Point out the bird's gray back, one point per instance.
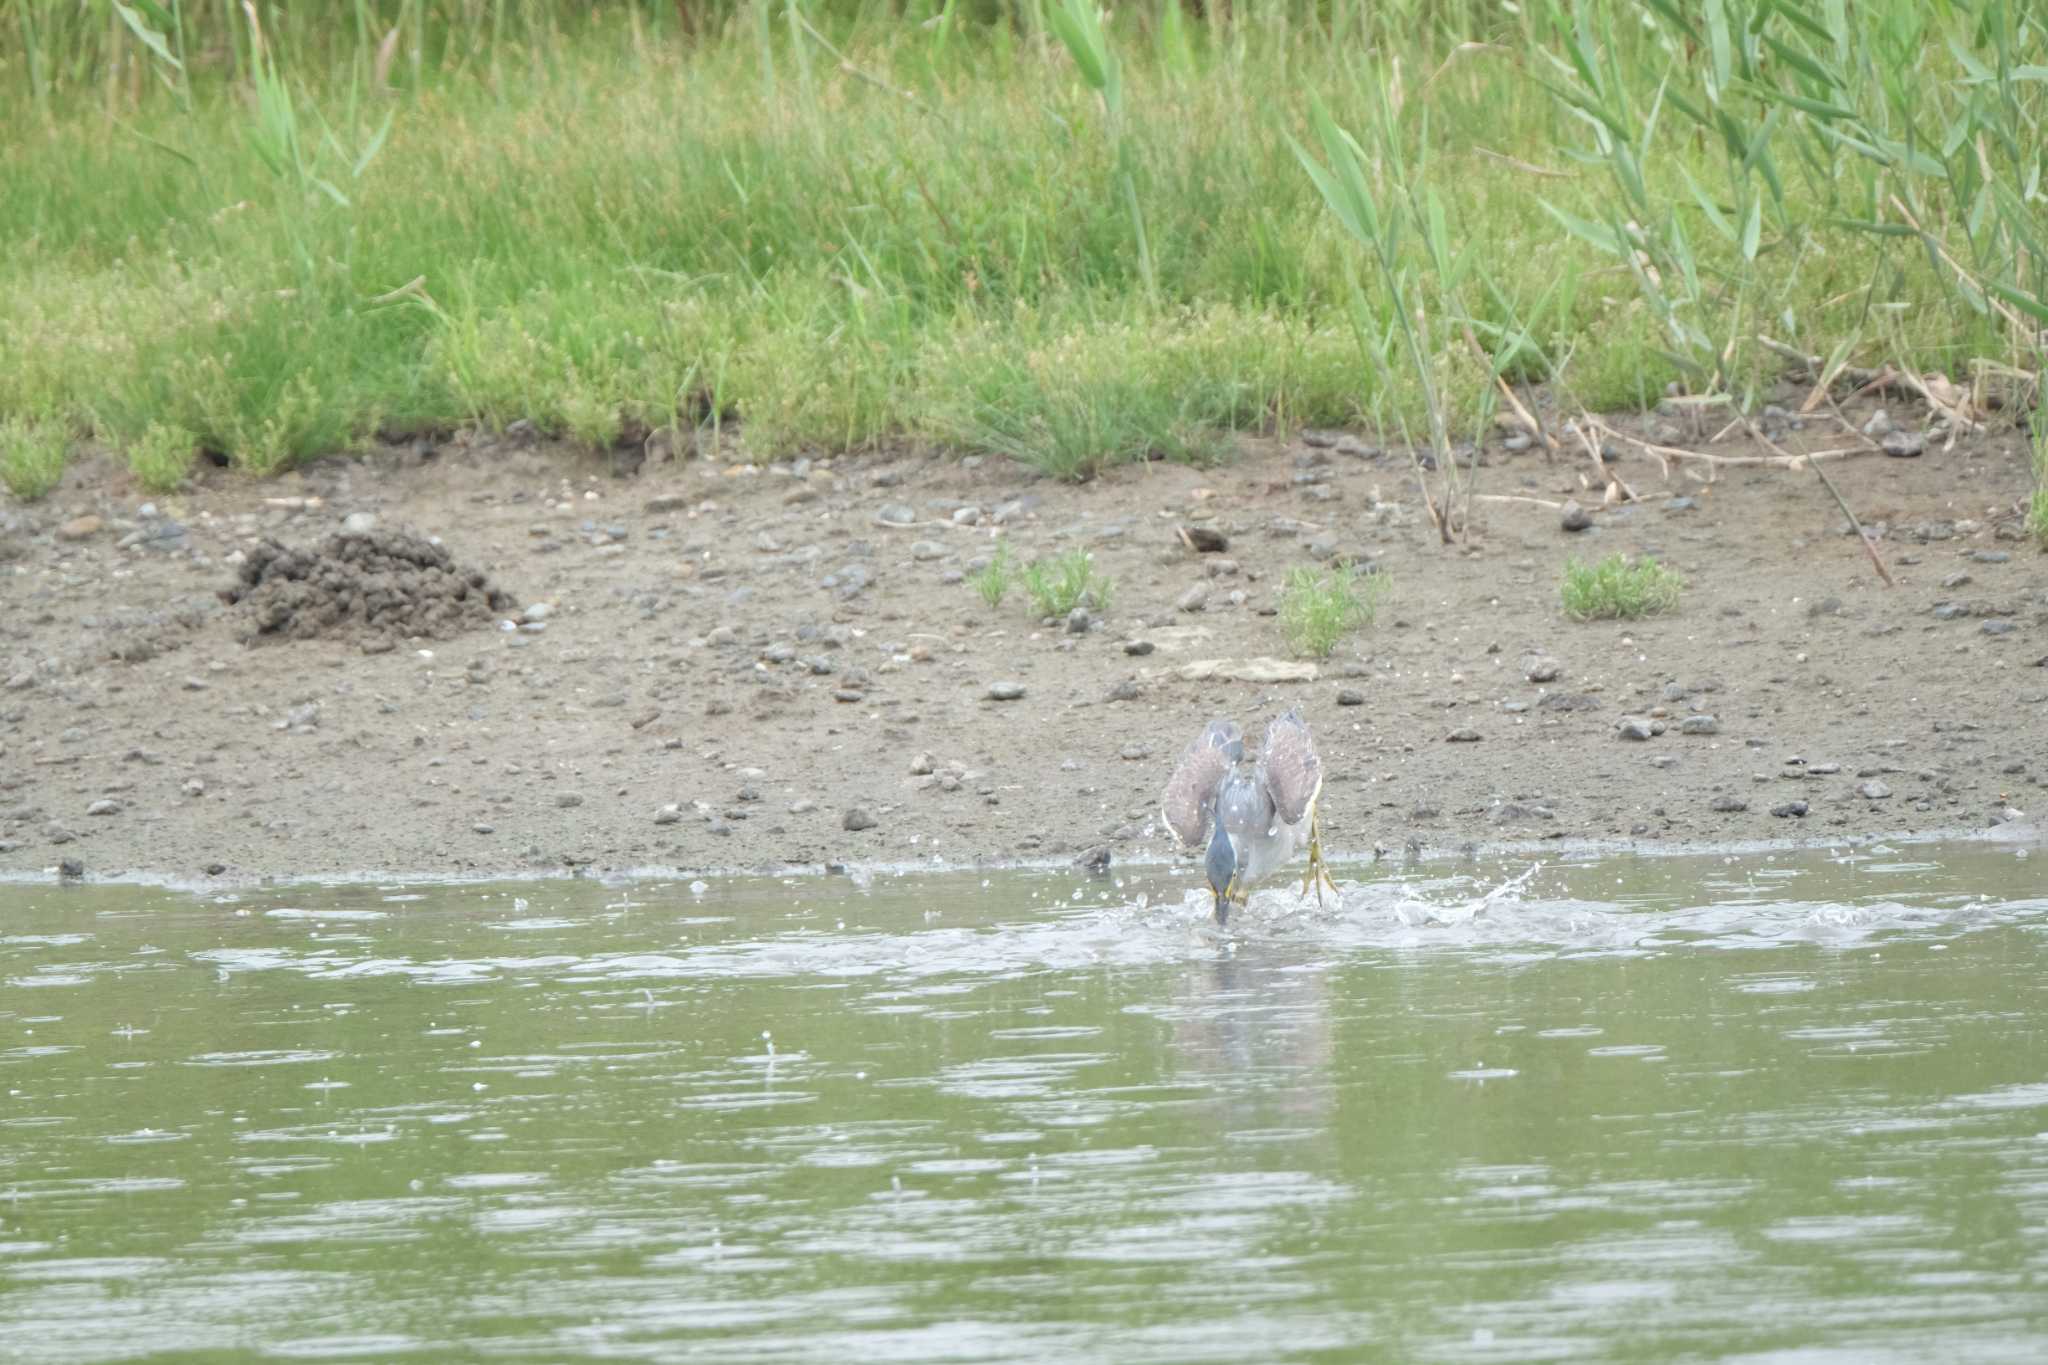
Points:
(1264, 839)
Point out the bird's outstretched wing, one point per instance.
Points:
(1294, 774)
(1190, 799)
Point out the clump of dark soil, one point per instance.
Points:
(379, 585)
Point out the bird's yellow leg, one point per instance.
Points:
(1318, 872)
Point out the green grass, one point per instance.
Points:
(161, 457)
(1077, 248)
(1056, 586)
(1319, 608)
(1617, 588)
(31, 457)
(992, 580)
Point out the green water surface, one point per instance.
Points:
(1789, 1108)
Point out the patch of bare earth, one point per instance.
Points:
(720, 667)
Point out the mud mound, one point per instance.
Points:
(374, 585)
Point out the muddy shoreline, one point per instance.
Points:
(740, 667)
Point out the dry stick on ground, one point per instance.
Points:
(1840, 502)
(1600, 465)
(1784, 459)
(1518, 497)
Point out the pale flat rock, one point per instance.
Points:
(1260, 670)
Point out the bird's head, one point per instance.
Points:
(1221, 865)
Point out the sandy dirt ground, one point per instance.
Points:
(707, 666)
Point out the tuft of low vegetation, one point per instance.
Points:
(1057, 585)
(992, 580)
(162, 456)
(1318, 608)
(32, 456)
(1618, 588)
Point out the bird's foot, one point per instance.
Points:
(1318, 871)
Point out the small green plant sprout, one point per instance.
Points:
(161, 457)
(1317, 608)
(992, 579)
(1056, 586)
(31, 457)
(1617, 588)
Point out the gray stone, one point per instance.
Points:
(104, 806)
(1728, 805)
(1637, 727)
(1005, 691)
(1997, 627)
(1903, 445)
(1788, 809)
(567, 800)
(1138, 648)
(856, 819)
(1574, 517)
(1194, 598)
(1699, 725)
(1541, 668)
(1462, 735)
(1874, 790)
(1079, 621)
(927, 550)
(897, 514)
(668, 814)
(1350, 696)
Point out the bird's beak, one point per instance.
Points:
(1223, 899)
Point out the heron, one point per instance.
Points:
(1251, 816)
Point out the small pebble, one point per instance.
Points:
(1005, 691)
(857, 819)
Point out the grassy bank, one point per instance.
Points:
(828, 230)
